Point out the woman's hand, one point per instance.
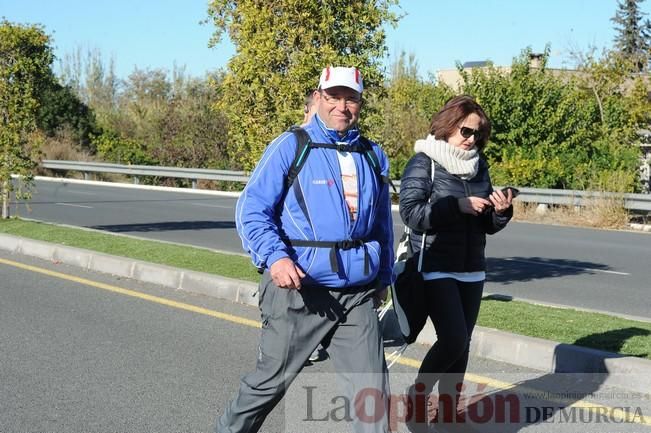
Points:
(473, 205)
(500, 201)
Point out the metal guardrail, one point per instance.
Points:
(568, 197)
(637, 202)
(137, 171)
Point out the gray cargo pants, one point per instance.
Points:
(294, 322)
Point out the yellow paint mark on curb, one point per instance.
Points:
(497, 385)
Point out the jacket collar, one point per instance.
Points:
(332, 136)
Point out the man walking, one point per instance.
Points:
(316, 219)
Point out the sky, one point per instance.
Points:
(152, 34)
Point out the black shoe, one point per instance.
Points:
(417, 421)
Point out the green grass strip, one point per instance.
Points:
(196, 259)
(598, 331)
(565, 325)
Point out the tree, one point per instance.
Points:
(193, 135)
(91, 77)
(144, 99)
(25, 59)
(282, 46)
(163, 120)
(634, 36)
(61, 109)
(404, 112)
(549, 131)
(623, 102)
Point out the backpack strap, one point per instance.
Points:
(304, 144)
(374, 162)
(424, 235)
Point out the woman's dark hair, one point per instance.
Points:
(447, 120)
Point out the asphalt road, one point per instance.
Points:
(87, 352)
(585, 268)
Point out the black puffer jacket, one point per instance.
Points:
(455, 242)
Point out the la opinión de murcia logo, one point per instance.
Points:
(371, 405)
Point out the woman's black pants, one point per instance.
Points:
(453, 307)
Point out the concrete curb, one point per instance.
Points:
(179, 279)
(642, 227)
(610, 369)
(630, 373)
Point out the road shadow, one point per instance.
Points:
(614, 340)
(165, 226)
(577, 375)
(510, 270)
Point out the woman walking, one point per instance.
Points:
(446, 195)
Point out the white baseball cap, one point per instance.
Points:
(341, 76)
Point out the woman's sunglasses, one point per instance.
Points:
(469, 132)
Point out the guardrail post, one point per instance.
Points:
(194, 183)
(136, 180)
(86, 175)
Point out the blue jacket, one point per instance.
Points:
(262, 220)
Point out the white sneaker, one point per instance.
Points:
(316, 355)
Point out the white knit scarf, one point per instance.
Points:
(463, 163)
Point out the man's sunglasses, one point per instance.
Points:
(469, 132)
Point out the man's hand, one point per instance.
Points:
(285, 274)
(379, 297)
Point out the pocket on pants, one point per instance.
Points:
(285, 300)
(266, 294)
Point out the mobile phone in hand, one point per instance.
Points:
(514, 191)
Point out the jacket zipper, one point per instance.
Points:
(335, 167)
(468, 225)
